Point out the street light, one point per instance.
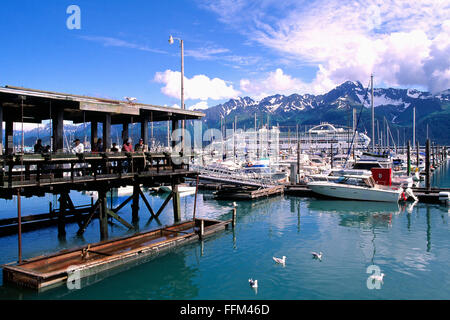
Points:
(171, 41)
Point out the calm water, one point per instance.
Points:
(409, 244)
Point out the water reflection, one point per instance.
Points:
(357, 213)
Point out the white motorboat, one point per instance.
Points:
(356, 187)
(184, 190)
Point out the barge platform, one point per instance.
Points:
(65, 266)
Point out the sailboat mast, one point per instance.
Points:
(414, 127)
(373, 113)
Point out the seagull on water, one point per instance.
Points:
(378, 277)
(253, 283)
(317, 255)
(280, 260)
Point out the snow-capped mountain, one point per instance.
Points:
(394, 105)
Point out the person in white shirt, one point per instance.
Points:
(79, 147)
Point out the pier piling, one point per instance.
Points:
(176, 204)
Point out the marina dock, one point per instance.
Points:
(247, 192)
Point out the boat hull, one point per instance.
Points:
(334, 190)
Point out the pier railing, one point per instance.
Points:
(22, 170)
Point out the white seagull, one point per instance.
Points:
(130, 100)
(280, 261)
(234, 204)
(378, 277)
(317, 255)
(253, 283)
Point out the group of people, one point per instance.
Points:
(128, 147)
(39, 148)
(98, 147)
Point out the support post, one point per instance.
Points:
(144, 130)
(234, 217)
(19, 218)
(1, 129)
(202, 228)
(94, 133)
(408, 161)
(58, 131)
(427, 165)
(125, 132)
(174, 127)
(135, 204)
(103, 215)
(107, 133)
(9, 133)
(176, 204)
(195, 199)
(61, 215)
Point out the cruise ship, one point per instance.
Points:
(323, 136)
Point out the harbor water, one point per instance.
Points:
(409, 244)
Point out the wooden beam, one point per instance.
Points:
(123, 204)
(89, 218)
(146, 203)
(164, 204)
(118, 218)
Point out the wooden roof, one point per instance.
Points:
(41, 105)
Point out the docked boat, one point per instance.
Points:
(356, 187)
(183, 189)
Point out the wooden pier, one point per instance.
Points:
(58, 172)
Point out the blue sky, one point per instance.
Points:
(232, 47)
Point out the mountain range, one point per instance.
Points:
(392, 106)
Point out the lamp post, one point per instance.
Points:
(171, 41)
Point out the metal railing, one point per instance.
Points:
(235, 176)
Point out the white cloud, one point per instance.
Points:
(275, 82)
(199, 87)
(404, 43)
(202, 105)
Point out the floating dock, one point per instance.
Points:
(247, 192)
(54, 270)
